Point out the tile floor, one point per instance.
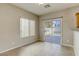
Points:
(41, 49)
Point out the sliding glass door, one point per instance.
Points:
(53, 30)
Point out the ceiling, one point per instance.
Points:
(37, 9)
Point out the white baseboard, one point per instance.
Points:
(17, 46)
(68, 45)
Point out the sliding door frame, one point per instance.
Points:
(43, 31)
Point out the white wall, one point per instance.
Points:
(73, 11)
(68, 23)
(76, 42)
(10, 27)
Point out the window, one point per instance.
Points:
(32, 28)
(27, 28)
(24, 27)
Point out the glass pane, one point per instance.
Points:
(24, 27)
(32, 27)
(48, 26)
(57, 26)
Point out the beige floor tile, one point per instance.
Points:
(41, 49)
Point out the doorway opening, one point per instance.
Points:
(53, 30)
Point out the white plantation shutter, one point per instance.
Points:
(27, 28)
(32, 28)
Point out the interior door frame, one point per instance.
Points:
(61, 28)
